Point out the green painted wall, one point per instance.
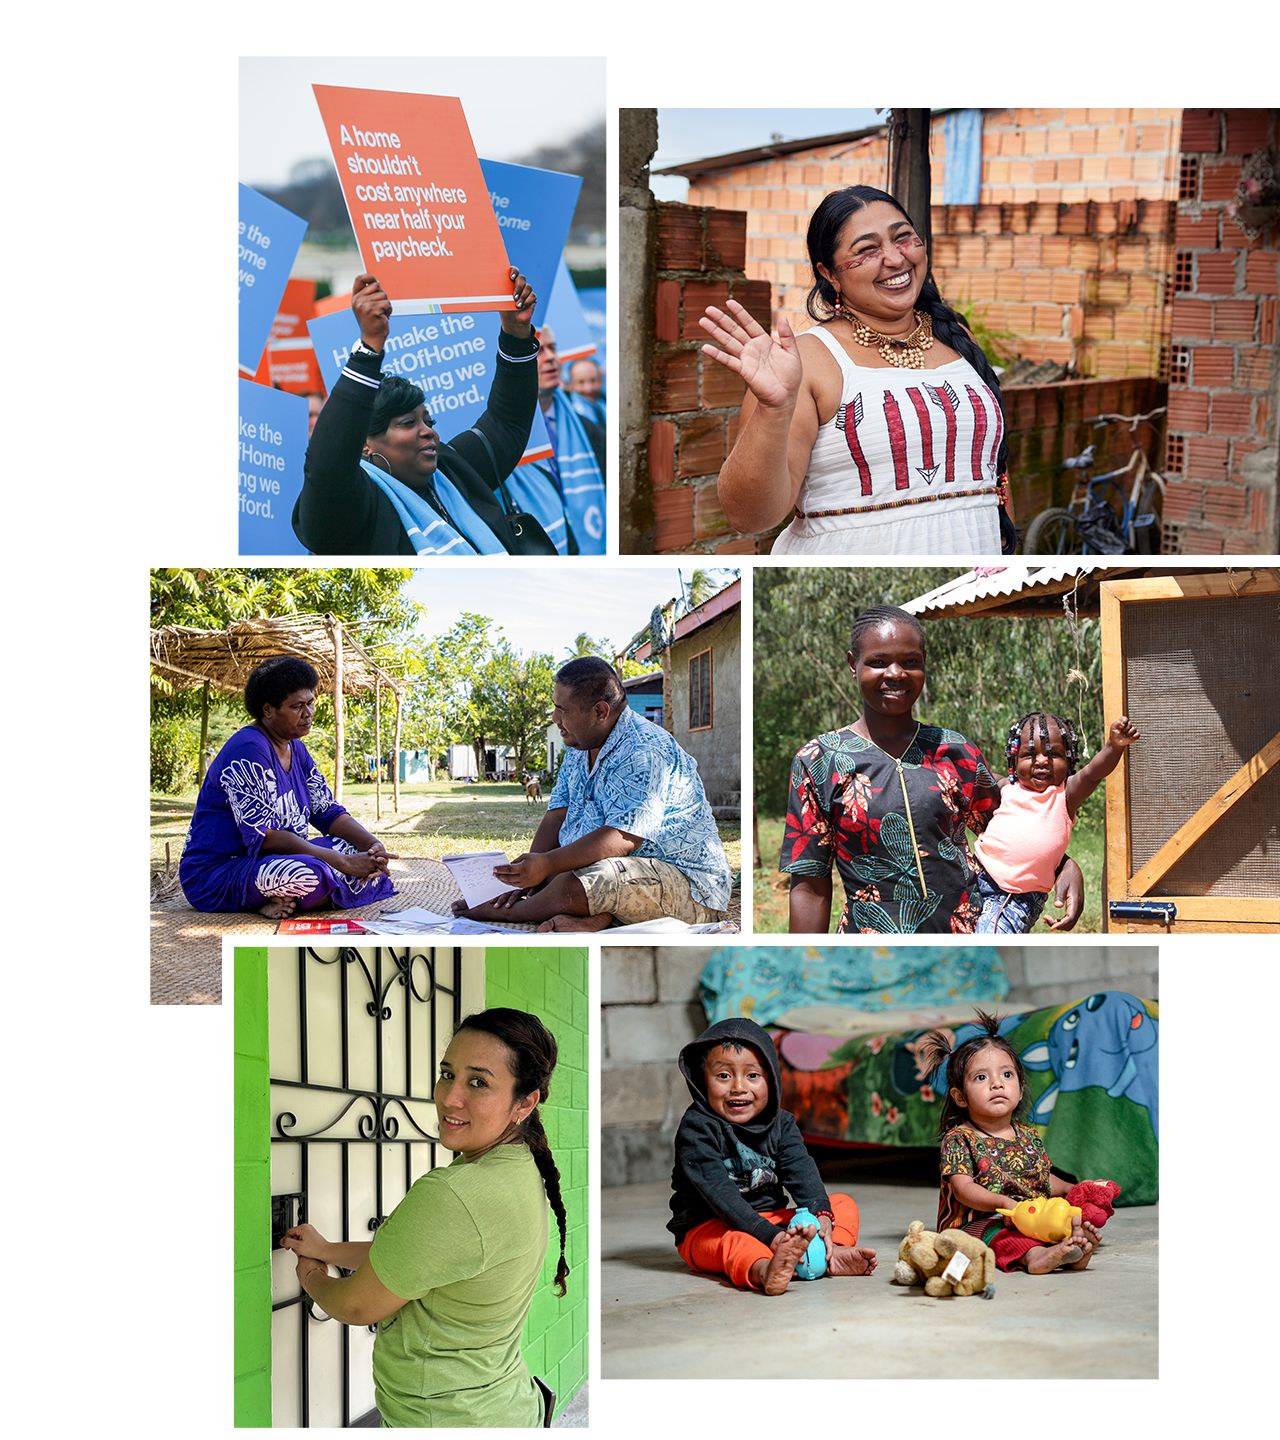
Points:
(252, 1193)
(552, 984)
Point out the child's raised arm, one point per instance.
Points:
(1084, 782)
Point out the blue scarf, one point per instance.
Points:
(581, 482)
(427, 532)
(533, 489)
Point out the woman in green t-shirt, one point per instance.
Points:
(449, 1277)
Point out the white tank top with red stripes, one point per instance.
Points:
(906, 466)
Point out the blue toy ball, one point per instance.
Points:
(814, 1264)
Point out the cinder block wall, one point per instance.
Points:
(552, 984)
(1225, 368)
(650, 1010)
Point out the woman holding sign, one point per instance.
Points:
(451, 1273)
(378, 480)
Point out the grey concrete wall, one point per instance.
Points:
(718, 750)
(649, 1011)
(637, 141)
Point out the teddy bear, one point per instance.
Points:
(925, 1254)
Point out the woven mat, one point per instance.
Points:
(186, 945)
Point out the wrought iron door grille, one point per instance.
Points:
(395, 1011)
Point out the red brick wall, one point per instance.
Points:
(1221, 449)
(695, 401)
(1108, 175)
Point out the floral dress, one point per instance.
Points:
(1005, 1167)
(896, 829)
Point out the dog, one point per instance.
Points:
(532, 789)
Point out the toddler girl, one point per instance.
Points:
(1025, 841)
(991, 1160)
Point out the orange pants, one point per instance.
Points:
(714, 1249)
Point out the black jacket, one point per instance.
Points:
(732, 1172)
(342, 512)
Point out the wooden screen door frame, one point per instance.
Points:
(1193, 912)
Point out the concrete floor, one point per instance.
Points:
(658, 1319)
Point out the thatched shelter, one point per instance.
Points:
(223, 659)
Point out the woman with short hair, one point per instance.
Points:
(248, 846)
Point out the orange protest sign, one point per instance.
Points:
(417, 199)
(291, 353)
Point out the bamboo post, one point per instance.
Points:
(204, 731)
(377, 745)
(395, 756)
(339, 718)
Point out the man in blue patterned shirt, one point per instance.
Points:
(628, 835)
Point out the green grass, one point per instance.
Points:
(441, 818)
(1087, 845)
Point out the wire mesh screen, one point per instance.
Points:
(1203, 686)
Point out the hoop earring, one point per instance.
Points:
(380, 461)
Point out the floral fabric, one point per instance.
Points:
(847, 803)
(1017, 1167)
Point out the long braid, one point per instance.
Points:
(533, 1054)
(536, 1139)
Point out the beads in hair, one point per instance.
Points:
(1038, 720)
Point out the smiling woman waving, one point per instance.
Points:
(889, 800)
(881, 427)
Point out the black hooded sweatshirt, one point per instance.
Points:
(732, 1172)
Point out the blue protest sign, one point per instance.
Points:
(534, 209)
(451, 358)
(593, 303)
(273, 442)
(269, 239)
(566, 319)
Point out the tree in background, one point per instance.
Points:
(368, 600)
(511, 701)
(983, 673)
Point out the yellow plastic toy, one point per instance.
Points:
(1046, 1220)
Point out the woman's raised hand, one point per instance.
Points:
(771, 368)
(373, 311)
(519, 321)
(305, 1240)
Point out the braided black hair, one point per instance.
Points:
(877, 615)
(532, 1051)
(935, 1047)
(825, 226)
(1039, 723)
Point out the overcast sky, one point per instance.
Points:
(540, 610)
(512, 106)
(694, 134)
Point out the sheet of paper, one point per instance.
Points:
(474, 875)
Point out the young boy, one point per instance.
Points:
(737, 1157)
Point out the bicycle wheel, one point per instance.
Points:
(1052, 532)
(1147, 539)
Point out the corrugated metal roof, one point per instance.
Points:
(986, 587)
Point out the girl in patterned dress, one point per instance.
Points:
(889, 800)
(990, 1158)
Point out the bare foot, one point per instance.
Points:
(1088, 1239)
(780, 1269)
(851, 1260)
(1045, 1258)
(576, 922)
(279, 909)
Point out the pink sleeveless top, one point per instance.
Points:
(1025, 839)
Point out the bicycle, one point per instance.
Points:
(1092, 524)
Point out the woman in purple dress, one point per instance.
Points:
(247, 848)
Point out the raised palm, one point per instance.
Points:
(771, 369)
